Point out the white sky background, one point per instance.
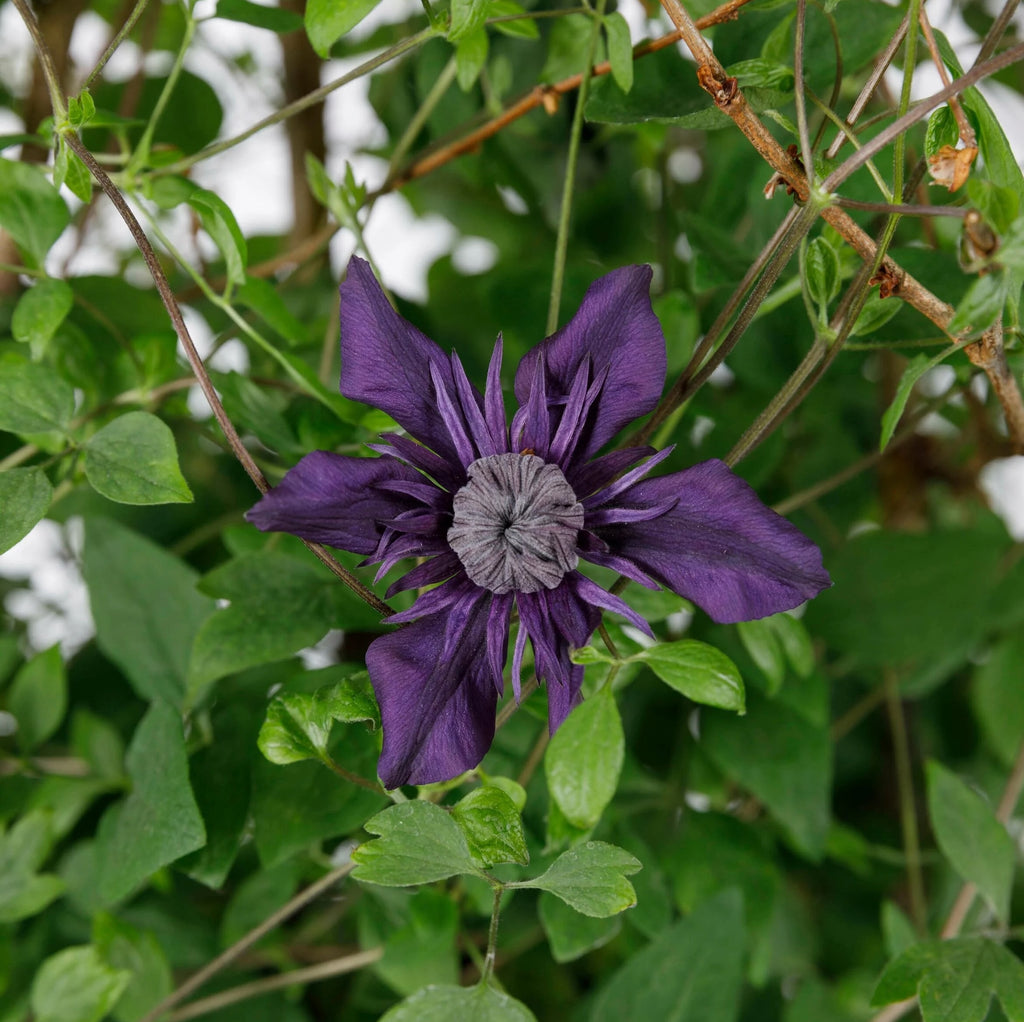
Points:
(253, 178)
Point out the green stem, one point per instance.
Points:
(311, 99)
(141, 155)
(908, 804)
(562, 240)
(492, 935)
(116, 42)
(427, 107)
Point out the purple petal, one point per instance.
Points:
(437, 569)
(588, 591)
(719, 546)
(557, 621)
(333, 499)
(592, 476)
(494, 401)
(386, 362)
(437, 698)
(615, 326)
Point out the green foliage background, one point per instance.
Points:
(800, 819)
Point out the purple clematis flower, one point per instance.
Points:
(503, 514)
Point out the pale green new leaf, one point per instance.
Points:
(76, 985)
(591, 877)
(492, 827)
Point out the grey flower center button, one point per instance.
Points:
(516, 523)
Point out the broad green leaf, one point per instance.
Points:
(25, 495)
(219, 222)
(31, 210)
(570, 934)
(470, 58)
(76, 985)
(875, 313)
(915, 621)
(568, 40)
(298, 724)
(39, 698)
(492, 826)
(423, 950)
(259, 15)
(133, 460)
(760, 72)
(955, 980)
(279, 605)
(260, 895)
(467, 1004)
(981, 306)
(41, 310)
(417, 843)
(467, 17)
(620, 50)
(522, 28)
(998, 698)
(583, 761)
(158, 822)
(146, 608)
(138, 953)
(693, 972)
(23, 849)
(99, 743)
(328, 20)
(970, 837)
(765, 649)
(295, 806)
(782, 758)
(33, 398)
(897, 929)
(698, 671)
(590, 877)
(259, 409)
(822, 268)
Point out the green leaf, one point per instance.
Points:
(620, 50)
(583, 762)
(23, 849)
(39, 698)
(31, 210)
(298, 724)
(423, 950)
(590, 877)
(822, 268)
(765, 650)
(418, 843)
(25, 495)
(916, 368)
(760, 72)
(970, 837)
(265, 300)
(76, 985)
(133, 460)
(279, 605)
(33, 398)
(328, 20)
(955, 980)
(41, 310)
(981, 306)
(467, 17)
(492, 826)
(138, 953)
(698, 671)
(570, 934)
(219, 222)
(470, 58)
(655, 984)
(158, 822)
(467, 1004)
(259, 15)
(941, 130)
(521, 28)
(146, 608)
(875, 313)
(782, 758)
(998, 698)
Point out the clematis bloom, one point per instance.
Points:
(503, 513)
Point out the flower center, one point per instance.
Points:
(516, 523)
